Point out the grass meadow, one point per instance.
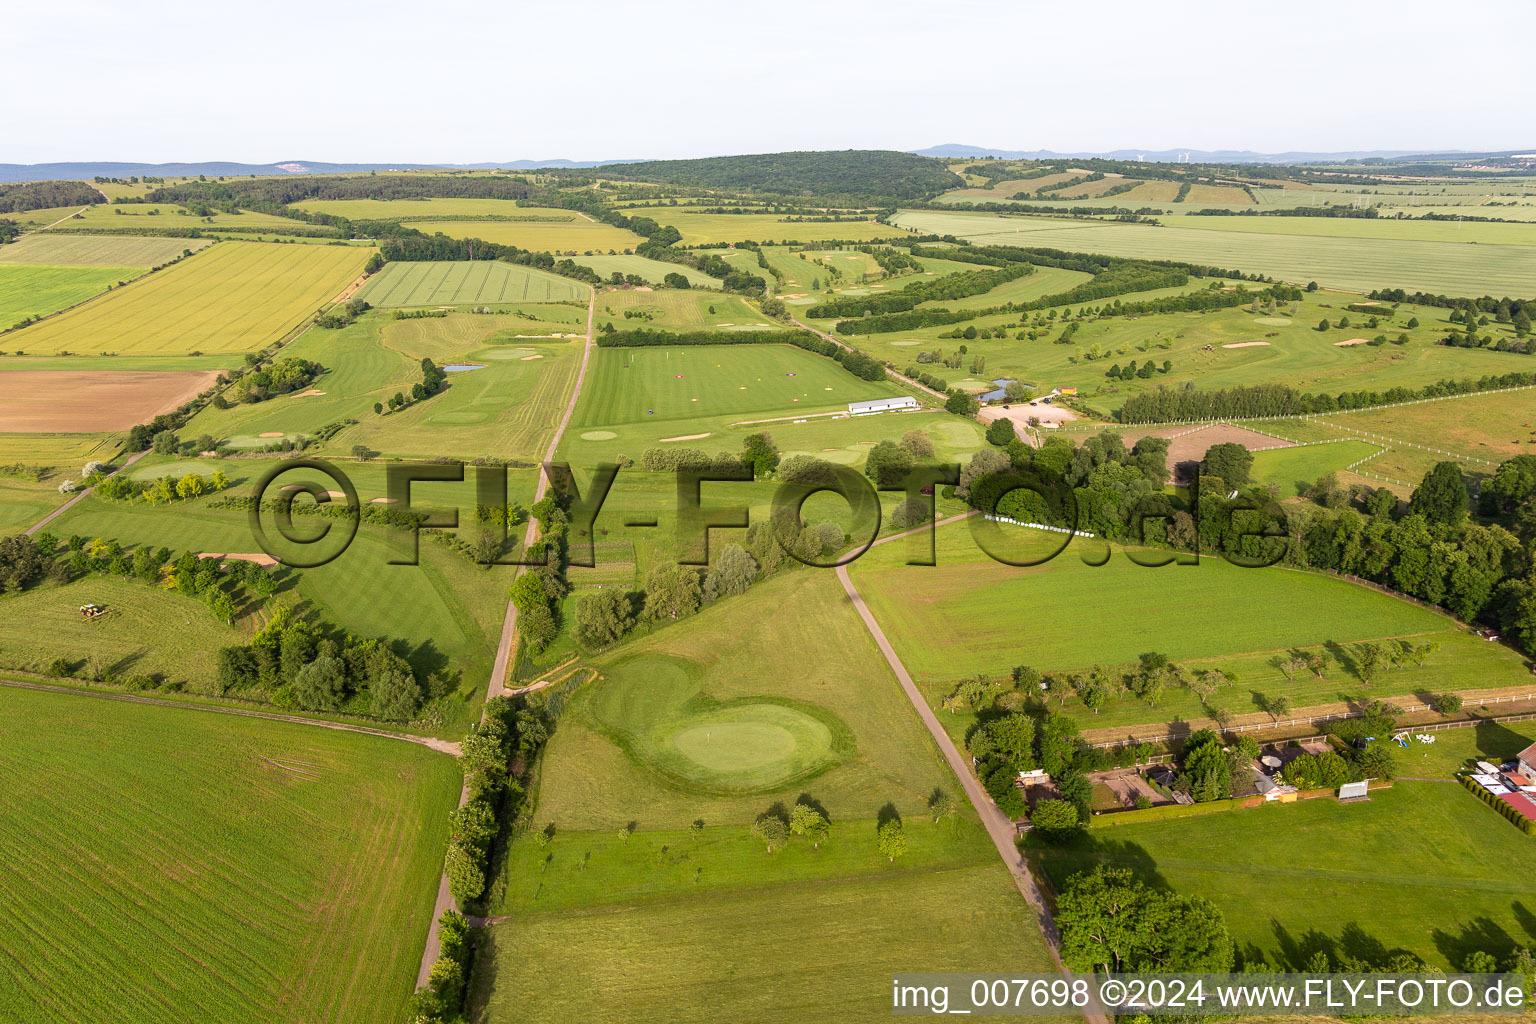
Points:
(674, 309)
(653, 393)
(1210, 615)
(27, 290)
(1215, 349)
(24, 501)
(1293, 470)
(1341, 262)
(507, 409)
(832, 945)
(478, 282)
(628, 746)
(66, 452)
(570, 234)
(653, 271)
(701, 228)
(1424, 867)
(71, 250)
(1493, 426)
(169, 865)
(235, 297)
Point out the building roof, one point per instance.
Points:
(902, 402)
(1528, 755)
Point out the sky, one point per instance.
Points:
(465, 81)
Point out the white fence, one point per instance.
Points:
(1035, 526)
(1311, 719)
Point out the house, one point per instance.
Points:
(1526, 759)
(1272, 791)
(1068, 392)
(881, 405)
(1033, 777)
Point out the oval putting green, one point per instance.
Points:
(1273, 321)
(650, 705)
(599, 435)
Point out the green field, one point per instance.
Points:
(970, 614)
(66, 451)
(443, 614)
(1214, 349)
(1494, 426)
(172, 865)
(830, 721)
(701, 228)
(1423, 867)
(681, 386)
(820, 950)
(575, 234)
(1293, 470)
(27, 290)
(70, 250)
(1342, 262)
(653, 271)
(668, 308)
(508, 408)
(24, 501)
(235, 297)
(467, 283)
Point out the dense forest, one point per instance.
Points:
(1165, 405)
(262, 193)
(44, 195)
(863, 174)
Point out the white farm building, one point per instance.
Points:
(881, 405)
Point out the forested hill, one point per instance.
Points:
(43, 195)
(869, 174)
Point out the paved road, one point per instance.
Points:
(441, 746)
(508, 644)
(998, 825)
(72, 502)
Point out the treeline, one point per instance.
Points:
(856, 363)
(282, 191)
(43, 195)
(1166, 404)
(955, 286)
(439, 248)
(862, 175)
(1504, 310)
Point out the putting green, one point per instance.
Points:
(503, 353)
(598, 435)
(651, 706)
(1273, 321)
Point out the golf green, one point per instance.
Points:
(653, 708)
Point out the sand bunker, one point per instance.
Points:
(1245, 344)
(263, 560)
(308, 394)
(271, 433)
(687, 437)
(381, 501)
(1351, 341)
(534, 356)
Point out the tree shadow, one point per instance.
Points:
(1085, 850)
(1480, 935)
(806, 800)
(888, 813)
(1343, 658)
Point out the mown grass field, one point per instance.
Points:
(235, 297)
(170, 865)
(1423, 867)
(1293, 470)
(27, 290)
(24, 501)
(68, 452)
(572, 233)
(70, 250)
(479, 282)
(507, 409)
(1494, 426)
(681, 387)
(614, 757)
(671, 309)
(970, 614)
(653, 271)
(170, 217)
(442, 615)
(1344, 262)
(1215, 349)
(1459, 232)
(833, 946)
(700, 228)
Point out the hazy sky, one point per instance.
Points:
(468, 81)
